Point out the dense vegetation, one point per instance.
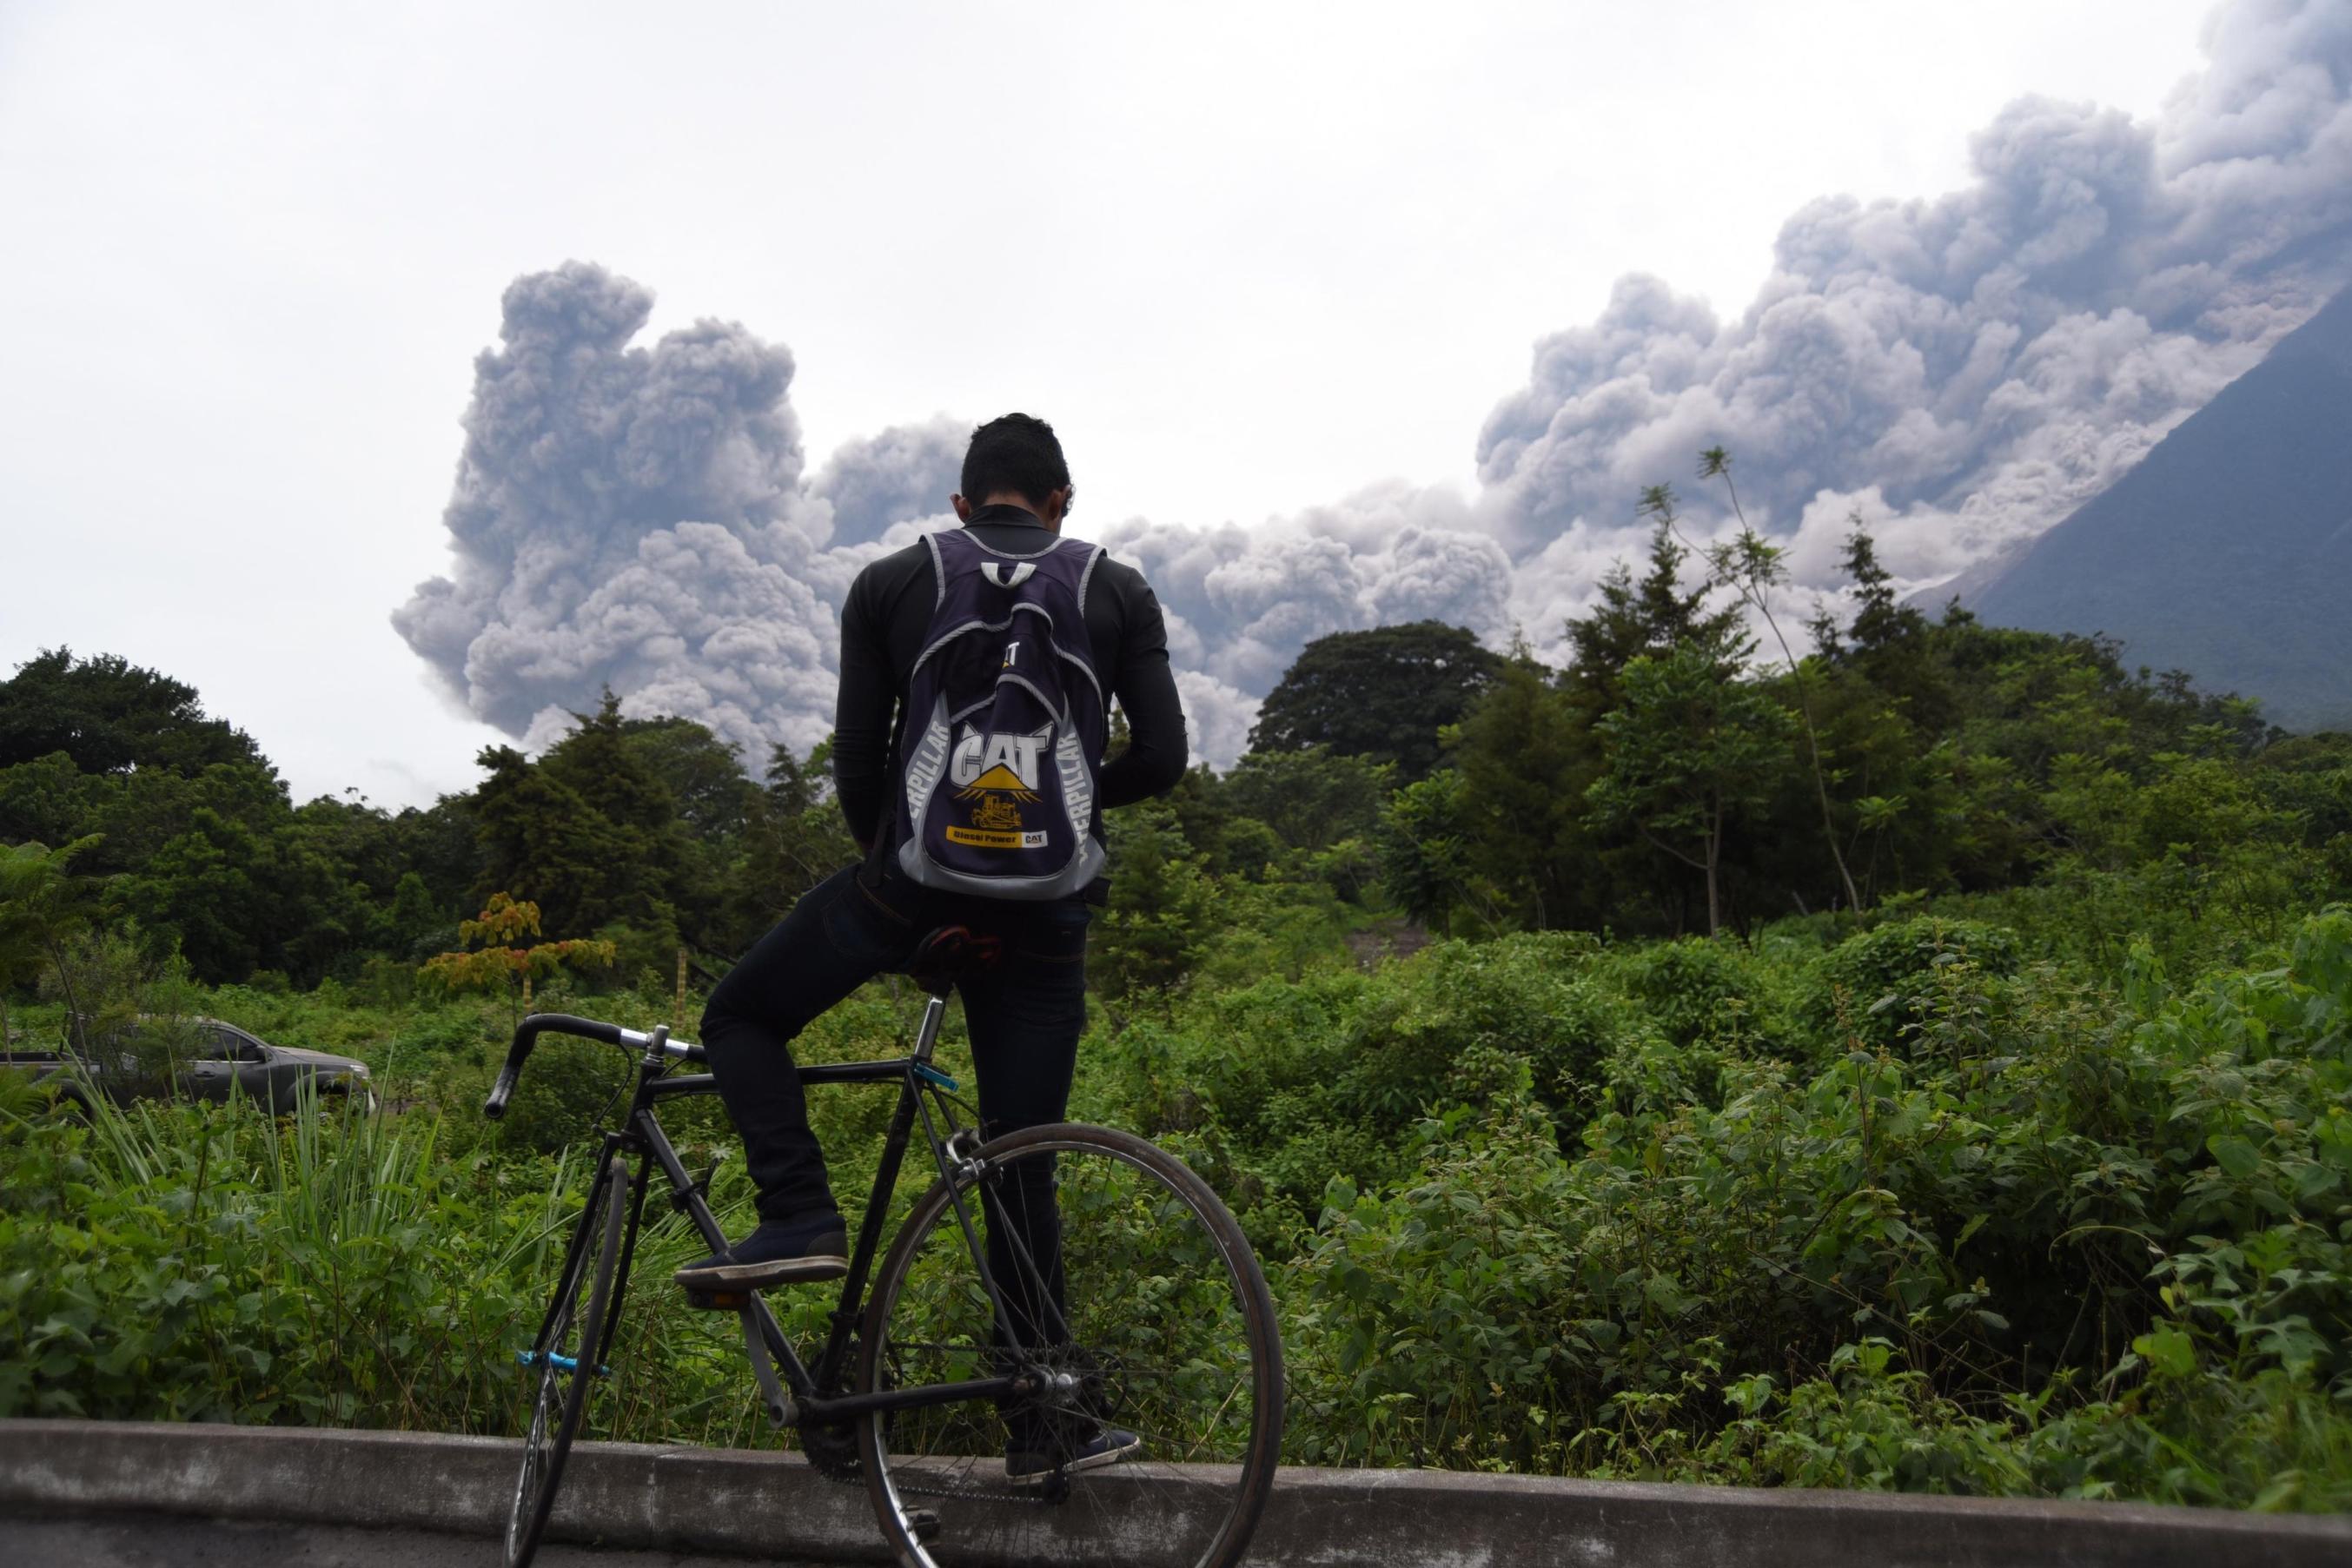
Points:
(1921, 1065)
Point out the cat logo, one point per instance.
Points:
(999, 776)
(1005, 762)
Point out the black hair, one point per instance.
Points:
(1016, 453)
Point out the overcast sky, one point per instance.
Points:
(1247, 258)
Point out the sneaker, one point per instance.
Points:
(1027, 1468)
(782, 1252)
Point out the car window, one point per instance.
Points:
(219, 1044)
(241, 1046)
(181, 1045)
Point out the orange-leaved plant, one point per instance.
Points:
(502, 960)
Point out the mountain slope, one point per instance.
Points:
(2227, 551)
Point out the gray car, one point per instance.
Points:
(270, 1074)
(215, 1062)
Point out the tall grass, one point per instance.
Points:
(214, 1262)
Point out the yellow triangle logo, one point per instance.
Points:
(998, 778)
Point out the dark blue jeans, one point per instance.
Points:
(1024, 1016)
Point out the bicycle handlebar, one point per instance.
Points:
(527, 1035)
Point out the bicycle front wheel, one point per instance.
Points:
(565, 1357)
(1136, 1310)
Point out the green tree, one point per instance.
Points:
(49, 800)
(43, 906)
(793, 838)
(1311, 799)
(796, 784)
(1755, 568)
(1150, 936)
(111, 716)
(1526, 759)
(1383, 693)
(599, 762)
(542, 842)
(1692, 755)
(1203, 815)
(440, 843)
(709, 791)
(1427, 847)
(204, 889)
(237, 893)
(414, 921)
(1891, 642)
(1632, 619)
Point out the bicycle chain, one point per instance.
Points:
(832, 1452)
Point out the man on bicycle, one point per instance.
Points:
(1025, 1014)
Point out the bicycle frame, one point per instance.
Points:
(800, 1399)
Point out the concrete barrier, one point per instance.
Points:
(762, 1503)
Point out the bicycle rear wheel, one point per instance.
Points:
(1165, 1329)
(565, 1357)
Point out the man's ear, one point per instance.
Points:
(1057, 503)
(962, 508)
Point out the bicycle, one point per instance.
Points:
(1149, 1311)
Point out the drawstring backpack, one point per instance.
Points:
(1006, 724)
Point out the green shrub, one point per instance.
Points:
(1845, 1276)
(1698, 991)
(1877, 988)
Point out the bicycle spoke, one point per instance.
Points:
(564, 1359)
(1157, 1332)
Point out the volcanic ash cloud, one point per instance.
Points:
(640, 518)
(1970, 368)
(1965, 371)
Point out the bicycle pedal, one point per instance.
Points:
(923, 1524)
(717, 1301)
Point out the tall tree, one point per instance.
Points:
(710, 791)
(544, 844)
(1160, 911)
(1755, 569)
(1383, 693)
(1632, 619)
(50, 800)
(1426, 848)
(1526, 757)
(1692, 755)
(43, 906)
(1311, 799)
(111, 716)
(598, 763)
(793, 838)
(1890, 642)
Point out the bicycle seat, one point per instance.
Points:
(950, 954)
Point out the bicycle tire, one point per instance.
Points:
(563, 1391)
(1170, 1330)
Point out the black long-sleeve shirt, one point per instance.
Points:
(883, 626)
